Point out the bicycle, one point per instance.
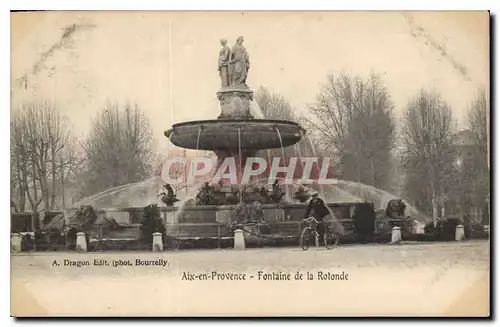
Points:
(309, 234)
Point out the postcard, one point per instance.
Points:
(250, 164)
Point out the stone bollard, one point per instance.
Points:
(459, 233)
(16, 242)
(239, 240)
(396, 235)
(81, 242)
(157, 242)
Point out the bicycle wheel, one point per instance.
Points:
(331, 239)
(305, 238)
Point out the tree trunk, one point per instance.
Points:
(44, 183)
(34, 217)
(21, 176)
(434, 202)
(63, 199)
(34, 203)
(54, 168)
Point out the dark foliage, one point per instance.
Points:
(151, 223)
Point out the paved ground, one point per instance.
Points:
(381, 279)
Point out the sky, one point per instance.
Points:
(167, 62)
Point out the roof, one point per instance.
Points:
(463, 138)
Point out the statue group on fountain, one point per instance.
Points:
(220, 195)
(302, 195)
(233, 64)
(206, 195)
(214, 194)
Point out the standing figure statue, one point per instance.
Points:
(224, 58)
(240, 63)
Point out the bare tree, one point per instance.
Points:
(334, 110)
(20, 163)
(352, 120)
(42, 152)
(476, 167)
(469, 191)
(118, 149)
(428, 153)
(477, 115)
(275, 106)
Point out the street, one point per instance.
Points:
(408, 279)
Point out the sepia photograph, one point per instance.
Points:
(250, 164)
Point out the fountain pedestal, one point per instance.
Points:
(235, 103)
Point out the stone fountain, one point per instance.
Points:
(236, 132)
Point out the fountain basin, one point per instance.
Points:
(223, 134)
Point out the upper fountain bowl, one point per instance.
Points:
(222, 134)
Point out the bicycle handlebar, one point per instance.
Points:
(311, 219)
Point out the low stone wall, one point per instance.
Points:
(293, 212)
(129, 231)
(273, 213)
(121, 216)
(197, 214)
(197, 230)
(22, 222)
(342, 211)
(288, 228)
(210, 222)
(222, 214)
(135, 215)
